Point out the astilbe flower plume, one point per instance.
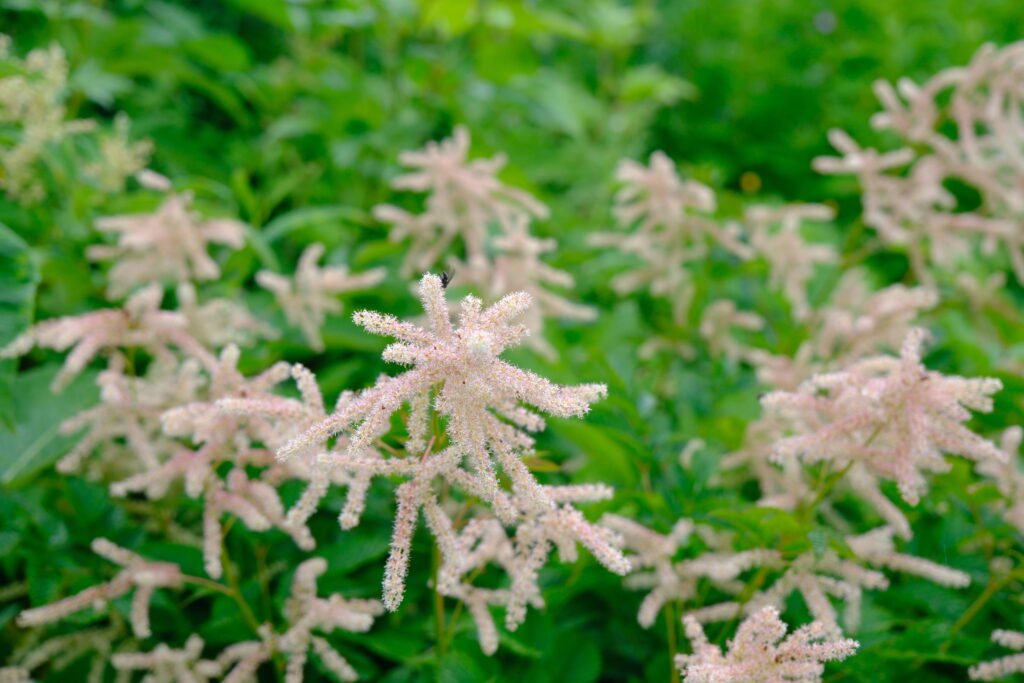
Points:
(129, 412)
(775, 235)
(219, 322)
(168, 244)
(982, 147)
(671, 225)
(457, 373)
(891, 415)
(1004, 666)
(465, 199)
(761, 652)
(310, 295)
(59, 652)
(518, 267)
(140, 323)
(655, 569)
(1008, 477)
(143, 575)
(32, 102)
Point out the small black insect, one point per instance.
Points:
(446, 279)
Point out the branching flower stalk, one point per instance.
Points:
(456, 374)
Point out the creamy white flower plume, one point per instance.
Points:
(761, 652)
(310, 295)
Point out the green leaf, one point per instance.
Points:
(18, 279)
(38, 413)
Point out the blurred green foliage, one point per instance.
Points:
(291, 115)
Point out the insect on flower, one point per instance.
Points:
(446, 279)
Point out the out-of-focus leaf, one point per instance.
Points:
(38, 413)
(18, 279)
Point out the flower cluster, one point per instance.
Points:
(761, 652)
(891, 415)
(465, 200)
(310, 294)
(32, 111)
(169, 244)
(905, 193)
(456, 373)
(671, 226)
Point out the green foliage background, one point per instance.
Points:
(291, 115)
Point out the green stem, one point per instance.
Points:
(671, 615)
(442, 644)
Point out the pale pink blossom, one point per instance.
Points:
(670, 226)
(775, 235)
(878, 549)
(465, 199)
(517, 267)
(1004, 666)
(717, 322)
(168, 244)
(129, 411)
(892, 415)
(306, 612)
(761, 652)
(140, 323)
(457, 373)
(308, 296)
(164, 664)
(963, 124)
(1007, 476)
(655, 569)
(815, 578)
(217, 323)
(142, 575)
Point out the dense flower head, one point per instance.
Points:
(775, 235)
(466, 198)
(32, 95)
(139, 323)
(168, 244)
(1007, 476)
(456, 372)
(1004, 666)
(964, 124)
(309, 296)
(138, 573)
(655, 569)
(890, 414)
(761, 652)
(670, 226)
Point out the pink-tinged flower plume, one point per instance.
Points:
(306, 612)
(670, 225)
(717, 323)
(965, 125)
(892, 415)
(466, 198)
(129, 412)
(655, 569)
(140, 324)
(1008, 477)
(815, 578)
(761, 652)
(457, 373)
(518, 268)
(138, 573)
(878, 549)
(310, 295)
(1004, 666)
(217, 323)
(165, 664)
(168, 244)
(775, 234)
